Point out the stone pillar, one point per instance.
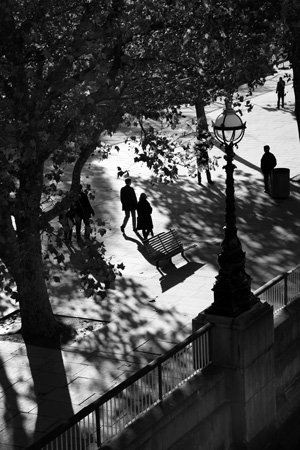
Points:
(243, 346)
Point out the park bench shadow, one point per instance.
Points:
(172, 275)
(140, 247)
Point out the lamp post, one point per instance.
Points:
(232, 289)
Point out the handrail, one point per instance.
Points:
(281, 290)
(114, 392)
(270, 284)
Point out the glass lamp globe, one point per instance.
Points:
(229, 127)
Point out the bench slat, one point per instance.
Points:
(164, 245)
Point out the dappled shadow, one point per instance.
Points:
(132, 318)
(269, 230)
(197, 212)
(136, 323)
(267, 227)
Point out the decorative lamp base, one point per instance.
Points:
(232, 289)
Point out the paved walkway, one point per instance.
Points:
(147, 312)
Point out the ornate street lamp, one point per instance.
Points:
(232, 289)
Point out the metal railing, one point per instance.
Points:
(282, 290)
(122, 405)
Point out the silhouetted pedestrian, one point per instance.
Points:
(68, 221)
(129, 203)
(144, 220)
(203, 164)
(267, 164)
(83, 212)
(280, 92)
(208, 176)
(122, 173)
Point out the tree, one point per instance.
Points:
(205, 50)
(217, 46)
(64, 78)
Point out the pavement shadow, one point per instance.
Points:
(171, 275)
(266, 226)
(131, 319)
(50, 390)
(35, 398)
(285, 110)
(15, 422)
(110, 355)
(269, 232)
(140, 247)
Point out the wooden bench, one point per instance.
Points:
(164, 246)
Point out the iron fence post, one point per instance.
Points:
(285, 289)
(98, 429)
(160, 393)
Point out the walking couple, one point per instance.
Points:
(130, 205)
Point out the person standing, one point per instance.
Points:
(208, 176)
(129, 204)
(67, 221)
(144, 220)
(83, 212)
(203, 161)
(280, 92)
(267, 164)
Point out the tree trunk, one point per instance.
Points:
(200, 113)
(202, 125)
(292, 15)
(35, 308)
(296, 79)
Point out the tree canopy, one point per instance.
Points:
(63, 80)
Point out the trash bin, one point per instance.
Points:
(281, 183)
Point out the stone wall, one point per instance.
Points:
(287, 362)
(199, 410)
